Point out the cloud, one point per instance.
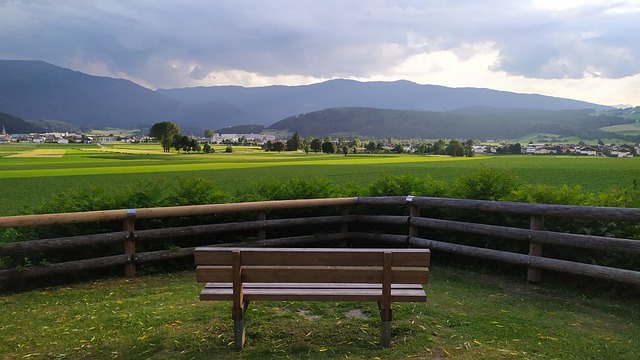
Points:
(574, 43)
(197, 42)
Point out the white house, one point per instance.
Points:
(587, 150)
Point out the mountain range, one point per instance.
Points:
(36, 90)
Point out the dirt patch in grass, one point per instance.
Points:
(356, 314)
(307, 315)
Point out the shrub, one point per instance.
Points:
(294, 188)
(549, 194)
(485, 184)
(389, 185)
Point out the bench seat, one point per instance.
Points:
(314, 292)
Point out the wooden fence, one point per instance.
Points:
(409, 230)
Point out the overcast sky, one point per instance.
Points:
(582, 49)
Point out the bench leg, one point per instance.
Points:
(238, 325)
(238, 333)
(385, 324)
(385, 333)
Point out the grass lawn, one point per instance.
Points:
(467, 316)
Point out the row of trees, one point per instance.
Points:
(310, 145)
(168, 134)
(346, 146)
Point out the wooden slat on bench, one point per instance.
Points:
(214, 285)
(306, 292)
(307, 256)
(313, 274)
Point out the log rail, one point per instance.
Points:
(412, 231)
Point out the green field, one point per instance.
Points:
(31, 173)
(627, 129)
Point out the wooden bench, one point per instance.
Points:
(242, 275)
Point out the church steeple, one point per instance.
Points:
(4, 132)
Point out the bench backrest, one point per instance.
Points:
(310, 265)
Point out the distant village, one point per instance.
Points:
(612, 150)
(77, 138)
(620, 151)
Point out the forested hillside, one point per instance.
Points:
(15, 125)
(481, 123)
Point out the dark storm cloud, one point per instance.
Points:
(170, 43)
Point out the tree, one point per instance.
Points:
(454, 148)
(208, 133)
(164, 132)
(329, 147)
(294, 143)
(371, 146)
(308, 139)
(345, 150)
(439, 147)
(468, 148)
(228, 149)
(185, 143)
(206, 148)
(277, 146)
(422, 148)
(195, 145)
(175, 143)
(316, 145)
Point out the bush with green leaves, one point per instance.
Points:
(485, 184)
(392, 185)
(296, 188)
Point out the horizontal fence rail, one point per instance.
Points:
(174, 211)
(407, 229)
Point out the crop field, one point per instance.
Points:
(31, 173)
(627, 129)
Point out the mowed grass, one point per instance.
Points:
(28, 181)
(467, 316)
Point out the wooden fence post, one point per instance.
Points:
(534, 275)
(262, 233)
(130, 243)
(344, 228)
(414, 212)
